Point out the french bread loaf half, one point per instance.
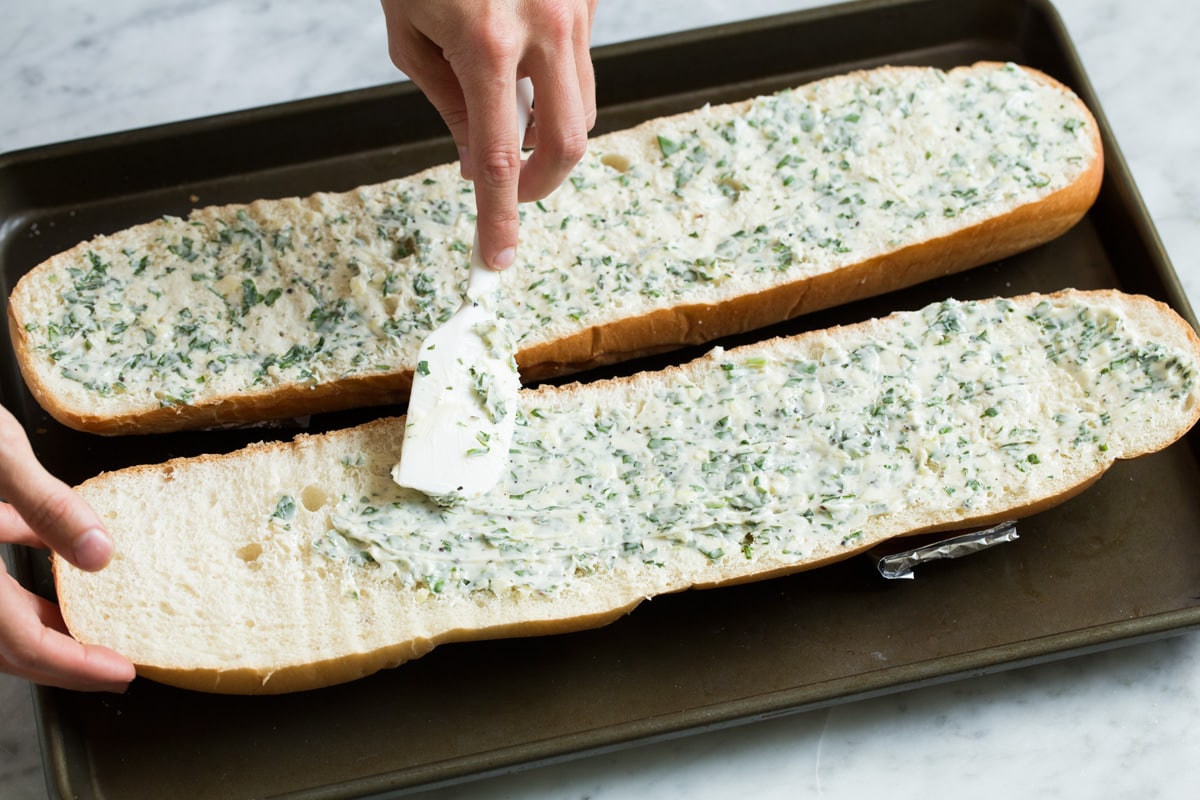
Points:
(678, 231)
(289, 566)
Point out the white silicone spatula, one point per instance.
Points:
(463, 404)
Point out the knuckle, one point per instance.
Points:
(505, 219)
(560, 150)
(490, 43)
(455, 117)
(497, 165)
(493, 47)
(399, 56)
(570, 145)
(556, 21)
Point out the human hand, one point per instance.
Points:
(43, 511)
(467, 56)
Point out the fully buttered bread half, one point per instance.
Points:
(679, 231)
(294, 565)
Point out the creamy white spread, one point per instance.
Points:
(779, 450)
(462, 409)
(725, 201)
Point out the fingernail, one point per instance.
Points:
(505, 258)
(92, 550)
(464, 163)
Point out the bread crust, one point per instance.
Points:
(667, 329)
(1157, 317)
(662, 330)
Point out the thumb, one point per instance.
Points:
(62, 520)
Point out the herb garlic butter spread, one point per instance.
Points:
(781, 450)
(287, 565)
(718, 203)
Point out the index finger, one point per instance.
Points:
(495, 148)
(48, 508)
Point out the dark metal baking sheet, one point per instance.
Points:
(1096, 572)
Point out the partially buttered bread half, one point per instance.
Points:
(293, 565)
(678, 231)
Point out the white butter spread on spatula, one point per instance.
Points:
(463, 406)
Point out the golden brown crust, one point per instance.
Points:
(360, 391)
(660, 331)
(298, 677)
(20, 344)
(670, 328)
(302, 677)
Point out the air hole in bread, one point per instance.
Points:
(313, 498)
(250, 553)
(618, 162)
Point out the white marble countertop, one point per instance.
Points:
(1114, 724)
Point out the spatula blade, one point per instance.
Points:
(463, 404)
(462, 409)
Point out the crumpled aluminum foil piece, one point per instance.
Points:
(900, 565)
